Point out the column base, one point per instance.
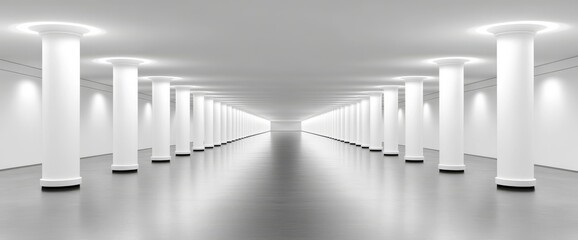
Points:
(390, 153)
(124, 171)
(183, 153)
(59, 183)
(199, 150)
(364, 146)
(161, 158)
(346, 141)
(518, 183)
(229, 141)
(375, 149)
(120, 168)
(223, 143)
(413, 158)
(211, 146)
(448, 168)
(352, 143)
(217, 145)
(359, 145)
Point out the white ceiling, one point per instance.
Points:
(287, 60)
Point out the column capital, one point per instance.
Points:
(161, 78)
(42, 28)
(182, 87)
(391, 87)
(373, 93)
(199, 93)
(531, 27)
(457, 61)
(119, 61)
(414, 78)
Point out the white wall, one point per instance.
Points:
(431, 124)
(555, 116)
(20, 117)
(285, 126)
(556, 119)
(20, 114)
(480, 122)
(95, 122)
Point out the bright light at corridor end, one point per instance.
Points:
(34, 27)
(539, 26)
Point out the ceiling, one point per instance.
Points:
(287, 60)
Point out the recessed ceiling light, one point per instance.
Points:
(543, 27)
(28, 27)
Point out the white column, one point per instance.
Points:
(224, 124)
(414, 119)
(332, 126)
(183, 120)
(217, 124)
(451, 80)
(161, 125)
(347, 122)
(365, 122)
(124, 113)
(375, 122)
(390, 125)
(209, 123)
(243, 124)
(515, 78)
(198, 121)
(358, 123)
(352, 124)
(60, 104)
(340, 123)
(229, 124)
(235, 124)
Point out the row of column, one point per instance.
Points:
(515, 85)
(214, 123)
(61, 121)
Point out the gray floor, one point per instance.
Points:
(288, 186)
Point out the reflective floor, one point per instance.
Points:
(288, 186)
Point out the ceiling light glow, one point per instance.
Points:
(404, 78)
(28, 27)
(466, 60)
(183, 86)
(171, 78)
(111, 60)
(545, 26)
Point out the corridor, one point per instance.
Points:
(288, 185)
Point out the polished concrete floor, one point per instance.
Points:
(288, 186)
